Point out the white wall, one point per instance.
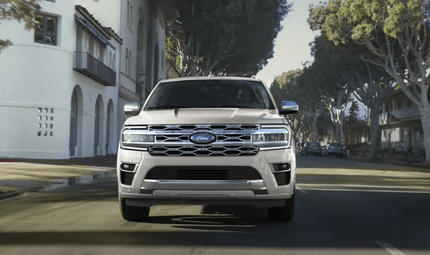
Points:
(37, 82)
(35, 76)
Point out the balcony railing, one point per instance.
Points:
(90, 66)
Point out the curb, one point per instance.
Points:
(59, 183)
(73, 181)
(4, 196)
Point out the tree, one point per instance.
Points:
(329, 68)
(284, 87)
(227, 36)
(370, 85)
(313, 98)
(384, 26)
(352, 119)
(21, 10)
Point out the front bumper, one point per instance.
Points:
(266, 186)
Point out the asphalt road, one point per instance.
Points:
(85, 219)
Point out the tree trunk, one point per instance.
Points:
(374, 119)
(339, 133)
(314, 129)
(425, 122)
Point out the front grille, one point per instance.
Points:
(208, 150)
(203, 173)
(183, 138)
(230, 140)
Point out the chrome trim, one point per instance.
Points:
(274, 148)
(207, 182)
(203, 150)
(239, 135)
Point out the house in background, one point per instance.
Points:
(399, 122)
(64, 84)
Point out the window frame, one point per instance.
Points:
(45, 26)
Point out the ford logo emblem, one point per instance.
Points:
(202, 138)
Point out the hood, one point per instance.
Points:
(207, 116)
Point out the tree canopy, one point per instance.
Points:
(285, 87)
(226, 36)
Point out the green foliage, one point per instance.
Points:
(285, 87)
(342, 20)
(175, 40)
(227, 36)
(21, 10)
(352, 121)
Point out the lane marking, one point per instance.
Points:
(362, 186)
(366, 190)
(302, 190)
(391, 249)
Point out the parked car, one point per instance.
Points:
(333, 149)
(311, 148)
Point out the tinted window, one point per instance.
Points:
(210, 94)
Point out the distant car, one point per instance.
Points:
(333, 149)
(311, 148)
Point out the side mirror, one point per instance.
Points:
(132, 108)
(288, 107)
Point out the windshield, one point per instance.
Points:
(314, 146)
(210, 94)
(335, 145)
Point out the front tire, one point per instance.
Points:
(134, 213)
(283, 213)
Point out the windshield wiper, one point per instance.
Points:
(235, 106)
(163, 107)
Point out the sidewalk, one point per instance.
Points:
(394, 161)
(18, 176)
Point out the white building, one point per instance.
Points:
(63, 85)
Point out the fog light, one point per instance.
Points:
(281, 167)
(128, 167)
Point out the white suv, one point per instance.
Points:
(209, 141)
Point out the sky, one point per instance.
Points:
(292, 44)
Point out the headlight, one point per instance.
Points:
(272, 136)
(139, 138)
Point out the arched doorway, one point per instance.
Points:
(73, 136)
(96, 127)
(109, 126)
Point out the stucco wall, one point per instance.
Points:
(37, 82)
